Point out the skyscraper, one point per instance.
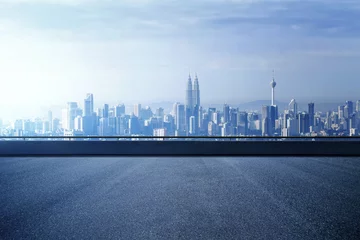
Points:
(189, 95)
(358, 106)
(293, 108)
(273, 85)
(137, 110)
(69, 114)
(350, 106)
(311, 112)
(192, 129)
(106, 111)
(341, 111)
(226, 113)
(196, 92)
(119, 110)
(180, 119)
(89, 105)
(304, 126)
(265, 115)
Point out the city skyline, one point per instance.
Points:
(123, 51)
(191, 118)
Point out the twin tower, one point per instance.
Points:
(192, 93)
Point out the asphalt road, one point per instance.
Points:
(180, 198)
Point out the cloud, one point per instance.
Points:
(143, 50)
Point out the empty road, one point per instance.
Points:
(180, 198)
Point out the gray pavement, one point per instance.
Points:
(180, 198)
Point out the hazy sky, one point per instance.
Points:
(54, 51)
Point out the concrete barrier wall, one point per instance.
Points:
(179, 148)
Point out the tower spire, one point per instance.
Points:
(273, 85)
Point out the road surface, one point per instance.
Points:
(180, 198)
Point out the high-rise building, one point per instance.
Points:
(243, 124)
(103, 127)
(265, 115)
(180, 119)
(159, 112)
(192, 129)
(174, 109)
(358, 106)
(78, 123)
(55, 125)
(69, 114)
(122, 125)
(311, 111)
(226, 113)
(273, 85)
(196, 92)
(350, 106)
(134, 125)
(293, 108)
(137, 110)
(89, 105)
(341, 111)
(304, 123)
(119, 110)
(106, 111)
(189, 95)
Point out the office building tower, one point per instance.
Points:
(328, 120)
(192, 129)
(273, 85)
(103, 129)
(226, 113)
(293, 108)
(78, 123)
(189, 94)
(243, 123)
(211, 127)
(200, 120)
(350, 106)
(341, 111)
(169, 124)
(273, 117)
(89, 120)
(304, 123)
(233, 117)
(112, 126)
(137, 110)
(56, 125)
(46, 127)
(159, 112)
(311, 111)
(174, 109)
(180, 119)
(88, 105)
(266, 123)
(122, 125)
(146, 113)
(196, 92)
(105, 111)
(215, 117)
(134, 125)
(353, 121)
(119, 110)
(18, 124)
(69, 114)
(358, 106)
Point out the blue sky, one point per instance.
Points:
(54, 51)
